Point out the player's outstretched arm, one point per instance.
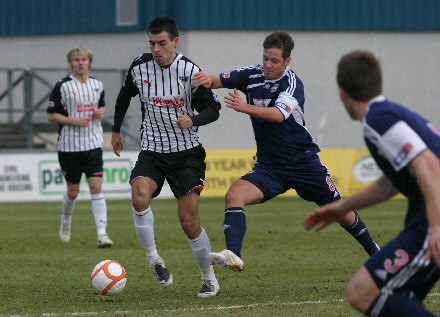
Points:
(205, 80)
(379, 191)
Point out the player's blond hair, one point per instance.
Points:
(80, 50)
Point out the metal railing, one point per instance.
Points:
(25, 92)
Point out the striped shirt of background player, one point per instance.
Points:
(165, 93)
(78, 100)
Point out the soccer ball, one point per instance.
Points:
(109, 278)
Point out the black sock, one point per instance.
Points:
(235, 229)
(360, 232)
(397, 305)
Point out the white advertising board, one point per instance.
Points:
(37, 177)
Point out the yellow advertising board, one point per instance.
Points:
(351, 169)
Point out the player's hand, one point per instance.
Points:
(82, 122)
(99, 113)
(235, 101)
(184, 122)
(117, 143)
(325, 215)
(434, 245)
(202, 79)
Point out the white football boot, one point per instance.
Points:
(65, 230)
(163, 276)
(226, 259)
(104, 241)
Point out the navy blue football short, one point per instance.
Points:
(184, 171)
(400, 266)
(73, 164)
(308, 177)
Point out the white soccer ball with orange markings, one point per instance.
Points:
(109, 278)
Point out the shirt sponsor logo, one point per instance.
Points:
(283, 106)
(86, 107)
(176, 102)
(226, 75)
(403, 154)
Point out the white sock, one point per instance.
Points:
(144, 224)
(99, 208)
(67, 207)
(201, 247)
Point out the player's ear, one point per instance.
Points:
(343, 94)
(176, 41)
(288, 60)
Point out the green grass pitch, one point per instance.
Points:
(289, 271)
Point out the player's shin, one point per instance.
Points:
(360, 232)
(235, 229)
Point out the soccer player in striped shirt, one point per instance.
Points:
(77, 105)
(287, 157)
(406, 147)
(170, 147)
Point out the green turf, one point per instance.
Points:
(289, 271)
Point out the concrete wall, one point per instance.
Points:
(409, 60)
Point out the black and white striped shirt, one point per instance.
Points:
(165, 94)
(72, 98)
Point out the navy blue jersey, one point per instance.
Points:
(278, 144)
(395, 136)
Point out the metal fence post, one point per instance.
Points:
(10, 96)
(27, 105)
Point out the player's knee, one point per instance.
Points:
(358, 294)
(232, 197)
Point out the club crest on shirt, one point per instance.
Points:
(148, 82)
(226, 75)
(274, 88)
(51, 104)
(184, 79)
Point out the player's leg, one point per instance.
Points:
(187, 181)
(241, 194)
(314, 183)
(72, 175)
(255, 187)
(395, 281)
(146, 182)
(93, 168)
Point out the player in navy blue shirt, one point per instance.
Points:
(406, 147)
(286, 154)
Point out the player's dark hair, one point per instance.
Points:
(281, 40)
(164, 24)
(360, 75)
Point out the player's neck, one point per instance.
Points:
(82, 78)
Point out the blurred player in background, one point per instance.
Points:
(170, 147)
(406, 147)
(77, 105)
(286, 154)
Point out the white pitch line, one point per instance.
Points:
(309, 302)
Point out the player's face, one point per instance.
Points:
(274, 64)
(163, 48)
(80, 64)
